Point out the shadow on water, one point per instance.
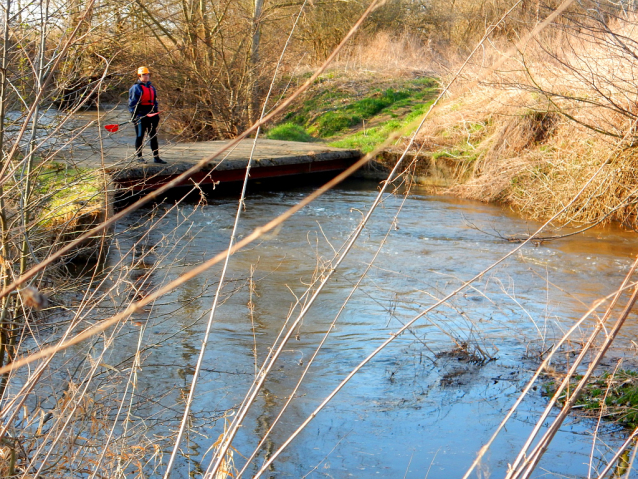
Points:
(230, 191)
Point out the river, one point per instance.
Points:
(418, 409)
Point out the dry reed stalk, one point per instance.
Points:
(619, 453)
(603, 407)
(227, 469)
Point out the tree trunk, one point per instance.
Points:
(253, 93)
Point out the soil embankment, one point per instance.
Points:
(437, 174)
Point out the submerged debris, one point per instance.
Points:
(463, 352)
(460, 364)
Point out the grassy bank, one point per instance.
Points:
(530, 137)
(71, 201)
(356, 110)
(513, 149)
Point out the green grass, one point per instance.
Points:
(66, 190)
(311, 108)
(289, 132)
(353, 114)
(368, 139)
(364, 142)
(333, 112)
(621, 401)
(333, 122)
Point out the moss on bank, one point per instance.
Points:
(68, 192)
(72, 201)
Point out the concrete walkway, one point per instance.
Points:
(271, 158)
(90, 146)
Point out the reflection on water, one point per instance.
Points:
(415, 409)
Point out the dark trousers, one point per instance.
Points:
(145, 126)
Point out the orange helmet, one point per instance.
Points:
(142, 71)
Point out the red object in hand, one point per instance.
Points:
(115, 127)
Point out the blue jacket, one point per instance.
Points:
(135, 96)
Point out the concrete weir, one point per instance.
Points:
(271, 158)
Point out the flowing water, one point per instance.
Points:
(419, 408)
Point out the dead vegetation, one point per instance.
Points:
(459, 365)
(534, 133)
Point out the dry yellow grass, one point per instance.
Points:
(390, 53)
(535, 132)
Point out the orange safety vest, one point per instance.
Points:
(148, 96)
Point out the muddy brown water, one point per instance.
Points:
(416, 410)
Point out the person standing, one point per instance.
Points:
(142, 101)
